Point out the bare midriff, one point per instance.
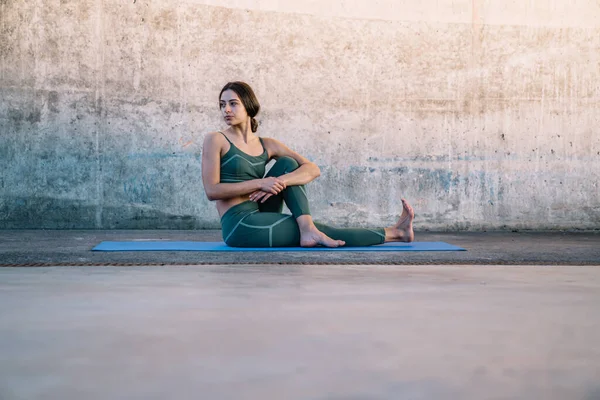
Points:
(224, 205)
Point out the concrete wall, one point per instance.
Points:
(484, 114)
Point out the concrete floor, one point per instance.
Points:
(300, 332)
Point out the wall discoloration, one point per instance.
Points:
(484, 117)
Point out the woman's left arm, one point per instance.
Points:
(306, 172)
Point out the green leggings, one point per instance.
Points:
(252, 224)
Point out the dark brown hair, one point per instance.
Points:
(248, 98)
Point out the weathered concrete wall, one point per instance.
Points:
(484, 114)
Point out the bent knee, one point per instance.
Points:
(287, 163)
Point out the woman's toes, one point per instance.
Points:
(329, 242)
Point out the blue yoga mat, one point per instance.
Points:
(220, 246)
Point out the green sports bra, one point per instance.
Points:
(237, 166)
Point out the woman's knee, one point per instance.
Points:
(287, 162)
(283, 165)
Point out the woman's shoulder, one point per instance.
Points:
(214, 137)
(215, 133)
(215, 141)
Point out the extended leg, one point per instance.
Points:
(402, 231)
(244, 226)
(354, 236)
(267, 229)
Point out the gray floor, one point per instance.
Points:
(300, 332)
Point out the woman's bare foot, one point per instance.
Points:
(310, 236)
(316, 237)
(403, 230)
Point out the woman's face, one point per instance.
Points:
(232, 108)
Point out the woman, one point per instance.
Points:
(250, 202)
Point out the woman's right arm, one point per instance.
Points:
(211, 175)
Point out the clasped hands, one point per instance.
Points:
(268, 187)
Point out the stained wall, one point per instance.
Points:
(484, 114)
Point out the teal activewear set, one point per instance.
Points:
(255, 224)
